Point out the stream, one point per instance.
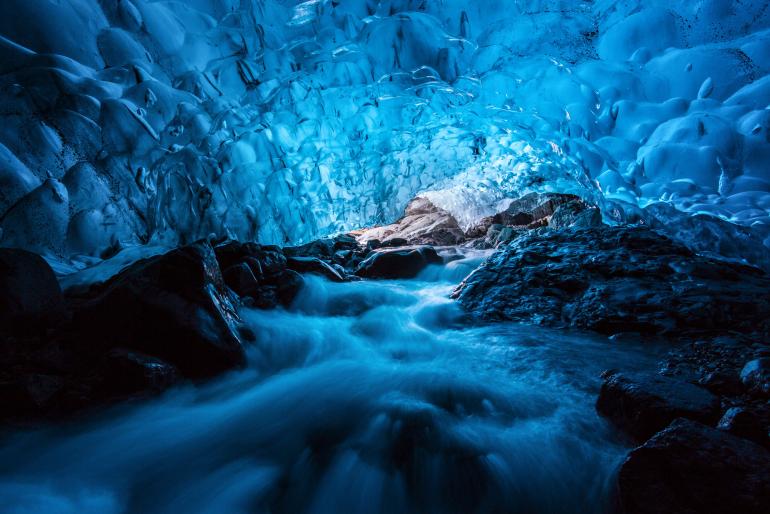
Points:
(364, 397)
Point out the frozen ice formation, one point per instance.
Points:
(135, 121)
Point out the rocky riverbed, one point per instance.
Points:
(177, 317)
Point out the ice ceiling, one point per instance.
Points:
(126, 121)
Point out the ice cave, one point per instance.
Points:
(384, 256)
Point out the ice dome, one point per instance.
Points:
(126, 122)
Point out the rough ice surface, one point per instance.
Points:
(135, 121)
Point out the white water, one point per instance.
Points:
(367, 397)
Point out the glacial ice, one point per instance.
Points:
(125, 122)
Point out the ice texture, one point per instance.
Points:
(125, 122)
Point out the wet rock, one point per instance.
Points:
(721, 382)
(398, 263)
(258, 274)
(532, 211)
(616, 279)
(240, 278)
(315, 266)
(746, 423)
(30, 296)
(320, 249)
(755, 375)
(343, 251)
(532, 208)
(690, 468)
(575, 214)
(423, 223)
(265, 261)
(174, 307)
(128, 374)
(643, 404)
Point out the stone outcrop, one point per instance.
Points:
(690, 468)
(642, 404)
(405, 262)
(422, 224)
(616, 279)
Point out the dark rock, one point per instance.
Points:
(315, 266)
(265, 261)
(373, 244)
(745, 423)
(755, 375)
(721, 382)
(531, 208)
(423, 223)
(616, 279)
(30, 296)
(128, 374)
(394, 242)
(290, 285)
(480, 228)
(643, 404)
(320, 248)
(240, 278)
(260, 273)
(398, 263)
(174, 307)
(345, 242)
(575, 214)
(689, 468)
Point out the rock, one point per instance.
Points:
(342, 250)
(721, 382)
(423, 223)
(643, 404)
(480, 228)
(267, 260)
(575, 214)
(320, 249)
(240, 278)
(532, 208)
(30, 296)
(532, 211)
(174, 307)
(394, 242)
(398, 263)
(755, 375)
(258, 273)
(745, 423)
(689, 468)
(315, 266)
(128, 374)
(616, 279)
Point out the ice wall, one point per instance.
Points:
(124, 121)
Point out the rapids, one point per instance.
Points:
(365, 397)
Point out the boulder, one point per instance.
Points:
(128, 374)
(398, 263)
(315, 266)
(690, 468)
(643, 404)
(755, 375)
(340, 251)
(575, 214)
(423, 223)
(258, 273)
(747, 423)
(532, 208)
(616, 279)
(30, 296)
(174, 307)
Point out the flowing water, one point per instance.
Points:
(365, 397)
